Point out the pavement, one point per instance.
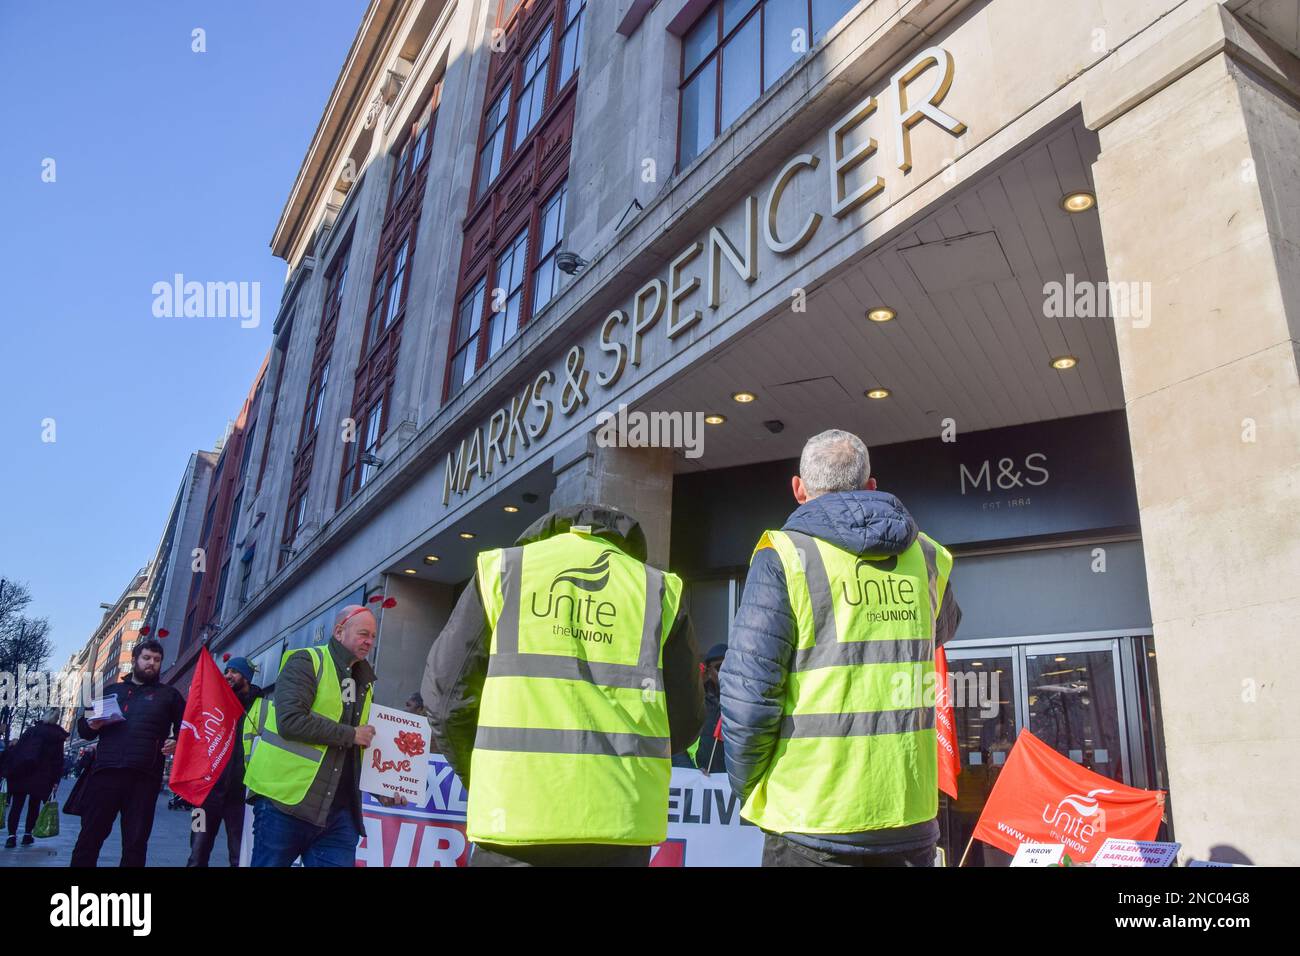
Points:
(169, 843)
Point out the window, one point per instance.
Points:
(735, 51)
(276, 369)
(396, 285)
(248, 450)
(336, 281)
(221, 590)
(410, 155)
(373, 422)
(464, 361)
(376, 369)
(505, 277)
(336, 278)
(293, 521)
(315, 400)
(245, 575)
(207, 522)
(188, 633)
(827, 13)
(510, 285)
(532, 95)
(570, 40)
(546, 277)
(494, 141)
(234, 517)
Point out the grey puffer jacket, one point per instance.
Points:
(761, 648)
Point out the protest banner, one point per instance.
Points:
(396, 762)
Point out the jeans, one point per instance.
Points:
(225, 810)
(279, 839)
(778, 851)
(111, 791)
(16, 798)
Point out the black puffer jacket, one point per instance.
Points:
(153, 714)
(35, 762)
(763, 637)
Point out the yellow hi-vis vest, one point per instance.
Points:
(572, 743)
(253, 725)
(284, 769)
(857, 747)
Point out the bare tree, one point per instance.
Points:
(14, 598)
(25, 647)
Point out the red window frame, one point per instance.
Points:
(530, 21)
(389, 293)
(309, 425)
(715, 59)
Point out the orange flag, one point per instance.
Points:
(1043, 797)
(945, 728)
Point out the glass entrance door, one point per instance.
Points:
(1072, 695)
(986, 712)
(1074, 701)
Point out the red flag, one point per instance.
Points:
(208, 733)
(946, 728)
(1043, 797)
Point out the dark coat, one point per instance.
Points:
(230, 785)
(153, 714)
(338, 778)
(763, 637)
(458, 660)
(35, 762)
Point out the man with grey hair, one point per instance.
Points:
(304, 775)
(828, 686)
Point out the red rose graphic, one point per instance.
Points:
(410, 743)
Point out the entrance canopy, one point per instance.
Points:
(978, 323)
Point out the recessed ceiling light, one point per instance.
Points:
(1059, 659)
(510, 509)
(1063, 362)
(877, 393)
(714, 419)
(743, 397)
(1080, 201)
(409, 571)
(430, 559)
(467, 535)
(882, 313)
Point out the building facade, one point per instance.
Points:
(216, 576)
(175, 559)
(109, 648)
(1046, 266)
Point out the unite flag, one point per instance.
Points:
(207, 737)
(946, 729)
(1044, 797)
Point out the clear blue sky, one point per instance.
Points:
(167, 161)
